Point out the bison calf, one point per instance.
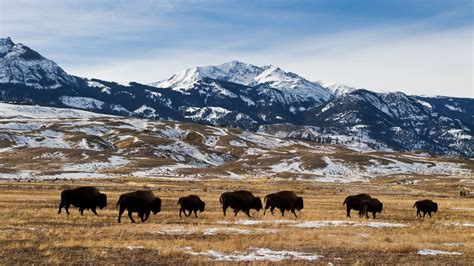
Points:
(372, 205)
(283, 200)
(425, 206)
(353, 202)
(240, 201)
(142, 201)
(191, 203)
(83, 198)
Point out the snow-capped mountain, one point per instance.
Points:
(241, 95)
(20, 64)
(264, 79)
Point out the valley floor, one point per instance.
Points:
(31, 231)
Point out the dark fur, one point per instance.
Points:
(141, 201)
(372, 205)
(283, 200)
(425, 206)
(83, 198)
(240, 201)
(191, 203)
(353, 202)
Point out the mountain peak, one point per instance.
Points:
(20, 64)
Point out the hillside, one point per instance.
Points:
(49, 143)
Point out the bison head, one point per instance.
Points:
(202, 204)
(257, 204)
(379, 207)
(299, 203)
(435, 206)
(102, 201)
(156, 206)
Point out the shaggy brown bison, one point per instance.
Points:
(425, 206)
(240, 201)
(372, 205)
(83, 198)
(353, 202)
(283, 200)
(191, 203)
(141, 201)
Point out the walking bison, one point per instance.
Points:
(283, 200)
(353, 202)
(83, 198)
(191, 203)
(425, 206)
(372, 205)
(240, 201)
(141, 201)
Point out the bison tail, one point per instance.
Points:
(119, 200)
(179, 201)
(221, 199)
(344, 202)
(414, 205)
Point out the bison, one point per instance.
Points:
(425, 206)
(372, 205)
(83, 198)
(141, 201)
(240, 201)
(353, 202)
(283, 200)
(191, 203)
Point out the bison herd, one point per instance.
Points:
(144, 202)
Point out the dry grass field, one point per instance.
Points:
(31, 231)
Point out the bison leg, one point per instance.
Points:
(373, 215)
(130, 216)
(429, 213)
(424, 213)
(61, 205)
(180, 211)
(271, 209)
(236, 211)
(224, 209)
(418, 213)
(94, 211)
(142, 216)
(348, 212)
(121, 210)
(294, 213)
(195, 213)
(282, 212)
(248, 213)
(147, 215)
(67, 208)
(265, 211)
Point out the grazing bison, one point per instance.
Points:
(240, 201)
(464, 193)
(191, 203)
(353, 202)
(283, 200)
(425, 206)
(83, 198)
(372, 205)
(142, 201)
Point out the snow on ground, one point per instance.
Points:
(434, 252)
(460, 224)
(114, 162)
(257, 254)
(321, 224)
(38, 112)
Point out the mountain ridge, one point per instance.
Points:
(254, 98)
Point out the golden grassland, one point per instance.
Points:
(31, 231)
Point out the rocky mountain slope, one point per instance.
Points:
(253, 98)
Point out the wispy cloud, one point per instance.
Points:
(422, 47)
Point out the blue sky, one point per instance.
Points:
(419, 47)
